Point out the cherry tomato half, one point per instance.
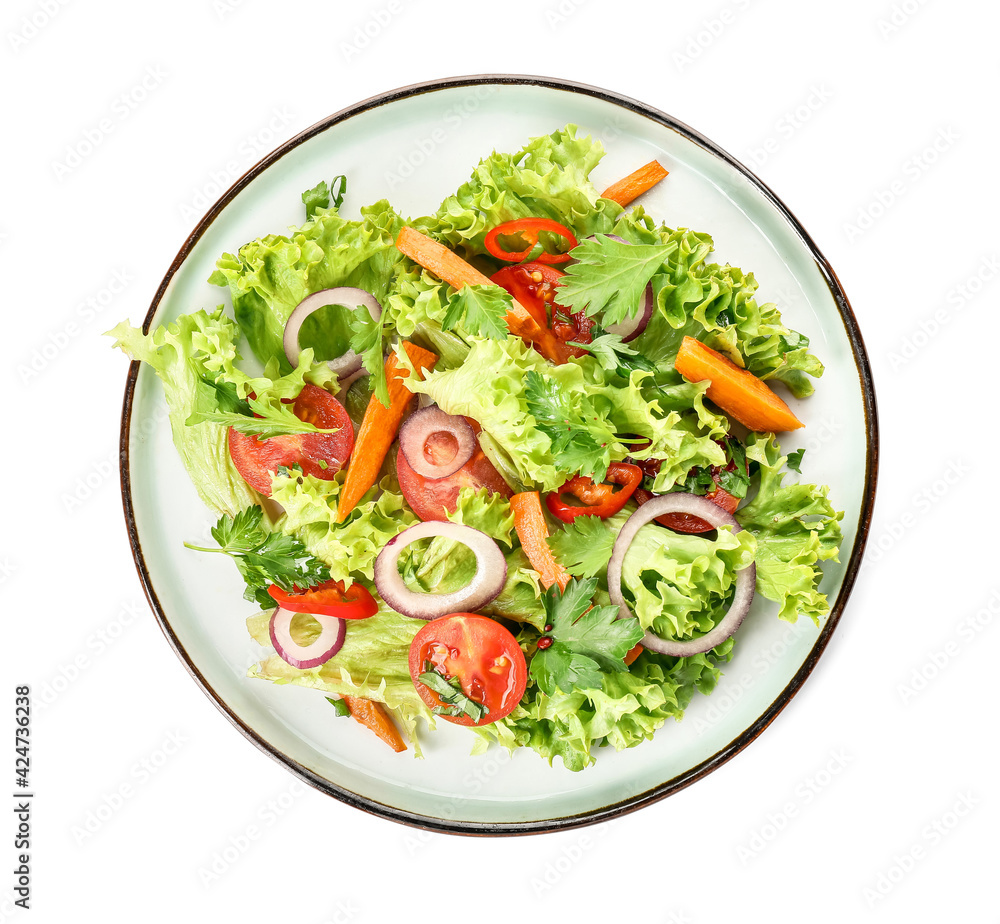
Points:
(328, 599)
(481, 653)
(257, 460)
(433, 498)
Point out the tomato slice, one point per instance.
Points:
(434, 498)
(256, 459)
(600, 500)
(528, 230)
(328, 599)
(478, 651)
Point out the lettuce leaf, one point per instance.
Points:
(349, 549)
(627, 709)
(268, 277)
(180, 354)
(796, 528)
(548, 178)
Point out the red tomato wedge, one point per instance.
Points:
(257, 460)
(534, 286)
(328, 599)
(434, 498)
(481, 653)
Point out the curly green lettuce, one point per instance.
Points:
(268, 277)
(181, 354)
(349, 549)
(627, 709)
(796, 528)
(373, 663)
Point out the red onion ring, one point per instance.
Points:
(746, 578)
(486, 584)
(349, 297)
(329, 641)
(631, 326)
(345, 383)
(420, 426)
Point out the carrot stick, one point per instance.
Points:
(529, 523)
(634, 653)
(373, 715)
(635, 184)
(379, 427)
(739, 393)
(450, 267)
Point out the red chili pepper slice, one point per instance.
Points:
(528, 229)
(599, 500)
(328, 599)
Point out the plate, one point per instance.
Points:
(415, 146)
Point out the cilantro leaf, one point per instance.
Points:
(480, 310)
(450, 691)
(264, 557)
(320, 195)
(581, 438)
(585, 641)
(219, 402)
(614, 354)
(609, 276)
(794, 460)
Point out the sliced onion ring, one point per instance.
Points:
(746, 578)
(329, 641)
(349, 297)
(420, 426)
(486, 584)
(630, 327)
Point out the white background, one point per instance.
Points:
(873, 796)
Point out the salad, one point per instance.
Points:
(511, 465)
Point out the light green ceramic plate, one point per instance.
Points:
(415, 146)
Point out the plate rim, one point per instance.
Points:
(851, 569)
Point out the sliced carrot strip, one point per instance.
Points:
(451, 268)
(379, 427)
(635, 184)
(373, 715)
(634, 653)
(529, 523)
(739, 393)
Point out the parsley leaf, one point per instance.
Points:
(366, 340)
(794, 460)
(480, 310)
(581, 438)
(584, 546)
(340, 706)
(451, 693)
(319, 196)
(219, 402)
(264, 557)
(586, 641)
(610, 276)
(614, 354)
